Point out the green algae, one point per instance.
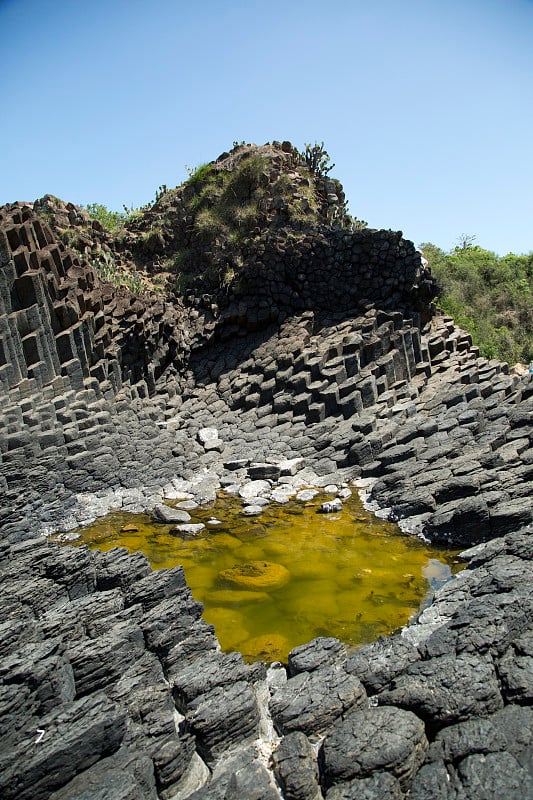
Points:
(349, 574)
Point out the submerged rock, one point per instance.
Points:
(256, 575)
(230, 597)
(253, 510)
(268, 646)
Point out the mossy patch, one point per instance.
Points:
(256, 575)
(268, 647)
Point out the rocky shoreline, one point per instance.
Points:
(112, 686)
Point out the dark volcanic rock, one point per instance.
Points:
(168, 623)
(312, 701)
(144, 691)
(196, 676)
(435, 780)
(378, 663)
(114, 401)
(126, 775)
(98, 662)
(223, 717)
(489, 757)
(463, 521)
(240, 775)
(315, 654)
(446, 689)
(43, 669)
(118, 568)
(156, 586)
(379, 786)
(374, 740)
(296, 768)
(496, 773)
(515, 669)
(75, 737)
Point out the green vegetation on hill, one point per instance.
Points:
(199, 232)
(489, 296)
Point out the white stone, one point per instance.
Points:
(254, 489)
(192, 529)
(205, 435)
(306, 494)
(290, 466)
(252, 511)
(278, 496)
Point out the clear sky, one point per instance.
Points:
(425, 106)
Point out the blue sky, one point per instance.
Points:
(425, 106)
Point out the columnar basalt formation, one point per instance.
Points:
(321, 359)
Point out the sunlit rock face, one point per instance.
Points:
(305, 340)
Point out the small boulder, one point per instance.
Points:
(256, 501)
(279, 496)
(263, 471)
(252, 510)
(170, 516)
(187, 505)
(331, 507)
(189, 531)
(290, 466)
(306, 494)
(208, 438)
(254, 489)
(206, 435)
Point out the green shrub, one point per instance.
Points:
(489, 296)
(110, 220)
(153, 240)
(198, 174)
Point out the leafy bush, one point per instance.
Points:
(489, 296)
(198, 174)
(110, 220)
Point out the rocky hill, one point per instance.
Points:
(249, 303)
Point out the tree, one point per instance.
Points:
(465, 241)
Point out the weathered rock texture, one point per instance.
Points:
(324, 355)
